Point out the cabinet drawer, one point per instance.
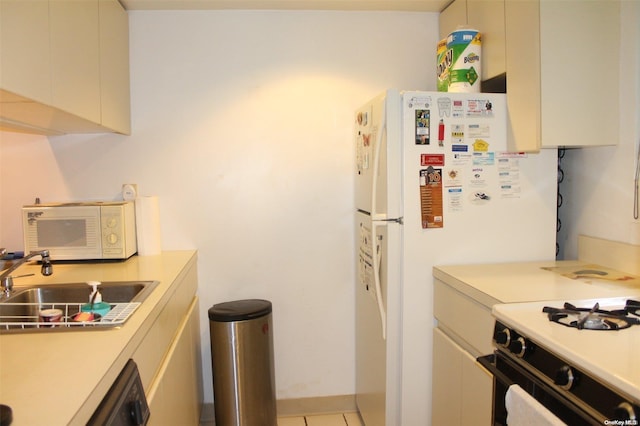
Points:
(467, 319)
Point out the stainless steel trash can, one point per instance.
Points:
(242, 360)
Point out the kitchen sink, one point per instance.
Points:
(112, 292)
(21, 310)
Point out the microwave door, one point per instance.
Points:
(68, 233)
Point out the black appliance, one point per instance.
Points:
(125, 403)
(568, 391)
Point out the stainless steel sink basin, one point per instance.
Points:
(112, 292)
(20, 311)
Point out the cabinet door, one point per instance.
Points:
(487, 16)
(559, 91)
(522, 52)
(580, 72)
(453, 16)
(447, 381)
(75, 61)
(177, 398)
(462, 388)
(114, 66)
(24, 55)
(477, 392)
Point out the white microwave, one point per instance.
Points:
(81, 231)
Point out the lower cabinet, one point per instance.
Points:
(168, 358)
(462, 388)
(174, 398)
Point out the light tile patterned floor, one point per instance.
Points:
(347, 419)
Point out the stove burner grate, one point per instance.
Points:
(595, 318)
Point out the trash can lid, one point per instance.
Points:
(6, 415)
(239, 310)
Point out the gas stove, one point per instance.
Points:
(581, 358)
(595, 318)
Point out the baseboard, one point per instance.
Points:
(299, 406)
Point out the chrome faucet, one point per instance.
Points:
(6, 280)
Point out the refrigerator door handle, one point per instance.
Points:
(376, 166)
(376, 277)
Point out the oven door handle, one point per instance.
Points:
(489, 362)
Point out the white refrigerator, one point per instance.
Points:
(434, 185)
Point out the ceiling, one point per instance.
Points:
(405, 5)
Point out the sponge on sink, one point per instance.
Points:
(83, 316)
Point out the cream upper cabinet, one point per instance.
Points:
(64, 66)
(75, 57)
(487, 16)
(523, 76)
(114, 67)
(561, 60)
(453, 16)
(24, 48)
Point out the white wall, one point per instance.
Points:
(242, 125)
(598, 188)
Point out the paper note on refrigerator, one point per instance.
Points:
(431, 198)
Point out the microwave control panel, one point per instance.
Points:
(112, 232)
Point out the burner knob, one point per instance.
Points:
(564, 377)
(503, 337)
(518, 347)
(625, 411)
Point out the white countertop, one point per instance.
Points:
(61, 377)
(525, 282)
(516, 293)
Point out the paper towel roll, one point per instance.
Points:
(148, 226)
(443, 65)
(465, 72)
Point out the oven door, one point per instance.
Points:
(507, 372)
